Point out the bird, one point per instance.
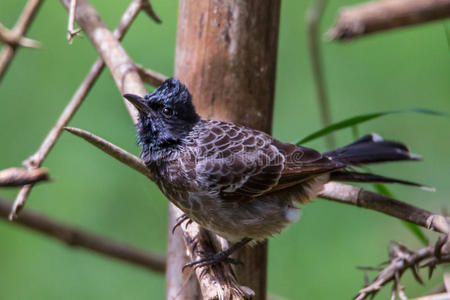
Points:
(238, 182)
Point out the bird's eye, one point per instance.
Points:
(167, 111)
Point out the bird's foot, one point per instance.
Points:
(221, 257)
(180, 221)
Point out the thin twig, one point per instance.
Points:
(151, 77)
(352, 195)
(78, 238)
(111, 51)
(19, 30)
(71, 32)
(37, 158)
(374, 16)
(314, 15)
(8, 37)
(112, 150)
(19, 176)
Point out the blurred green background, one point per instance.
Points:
(313, 259)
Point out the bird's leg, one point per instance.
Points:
(223, 256)
(180, 221)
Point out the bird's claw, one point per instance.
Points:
(211, 260)
(180, 221)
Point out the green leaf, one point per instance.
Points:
(382, 189)
(363, 118)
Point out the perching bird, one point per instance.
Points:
(237, 182)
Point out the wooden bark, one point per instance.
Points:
(226, 55)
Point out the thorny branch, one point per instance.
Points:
(37, 158)
(78, 238)
(374, 16)
(19, 30)
(401, 259)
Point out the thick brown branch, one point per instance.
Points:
(19, 176)
(375, 16)
(36, 159)
(74, 237)
(21, 27)
(348, 194)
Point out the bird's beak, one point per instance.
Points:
(138, 102)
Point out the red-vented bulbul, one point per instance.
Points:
(240, 183)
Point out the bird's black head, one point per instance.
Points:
(166, 116)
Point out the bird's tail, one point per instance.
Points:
(367, 150)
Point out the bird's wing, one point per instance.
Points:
(239, 163)
(301, 164)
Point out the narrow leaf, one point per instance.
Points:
(363, 118)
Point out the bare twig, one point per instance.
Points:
(19, 30)
(71, 32)
(402, 259)
(314, 15)
(37, 158)
(111, 51)
(112, 150)
(348, 194)
(78, 238)
(151, 77)
(8, 37)
(375, 16)
(19, 176)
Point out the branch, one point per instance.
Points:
(8, 37)
(78, 238)
(376, 16)
(151, 77)
(219, 281)
(37, 158)
(18, 176)
(348, 194)
(118, 153)
(21, 27)
(402, 259)
(111, 51)
(314, 15)
(71, 32)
